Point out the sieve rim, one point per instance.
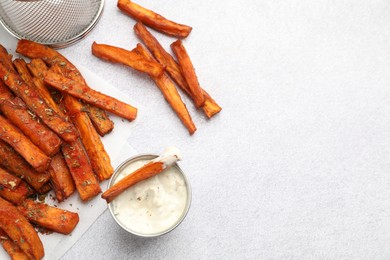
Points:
(62, 44)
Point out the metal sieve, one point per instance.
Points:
(57, 23)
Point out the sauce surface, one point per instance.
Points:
(153, 205)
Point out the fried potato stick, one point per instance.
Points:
(36, 103)
(50, 56)
(77, 160)
(100, 120)
(128, 58)
(31, 153)
(210, 107)
(52, 218)
(16, 195)
(8, 180)
(11, 161)
(37, 68)
(90, 96)
(100, 160)
(102, 123)
(12, 248)
(188, 72)
(153, 19)
(38, 53)
(150, 169)
(168, 89)
(21, 68)
(6, 59)
(17, 112)
(17, 227)
(61, 179)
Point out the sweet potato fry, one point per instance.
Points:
(102, 123)
(77, 160)
(168, 89)
(188, 72)
(11, 161)
(17, 227)
(31, 153)
(12, 248)
(35, 102)
(6, 59)
(45, 94)
(8, 180)
(5, 93)
(150, 169)
(90, 96)
(17, 113)
(52, 218)
(61, 179)
(21, 68)
(154, 20)
(51, 57)
(141, 174)
(37, 68)
(210, 107)
(131, 59)
(100, 160)
(16, 195)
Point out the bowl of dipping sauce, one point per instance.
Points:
(152, 207)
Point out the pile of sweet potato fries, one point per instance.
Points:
(163, 69)
(50, 127)
(51, 122)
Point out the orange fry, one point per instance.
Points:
(21, 67)
(17, 112)
(17, 227)
(153, 19)
(100, 161)
(51, 57)
(16, 195)
(147, 171)
(150, 169)
(210, 107)
(35, 102)
(102, 123)
(100, 120)
(11, 161)
(90, 96)
(170, 93)
(8, 180)
(52, 218)
(61, 179)
(31, 153)
(12, 248)
(41, 54)
(188, 72)
(38, 68)
(6, 59)
(77, 160)
(129, 58)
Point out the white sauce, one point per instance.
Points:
(153, 205)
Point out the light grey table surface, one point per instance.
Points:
(297, 165)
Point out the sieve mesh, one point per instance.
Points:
(57, 23)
